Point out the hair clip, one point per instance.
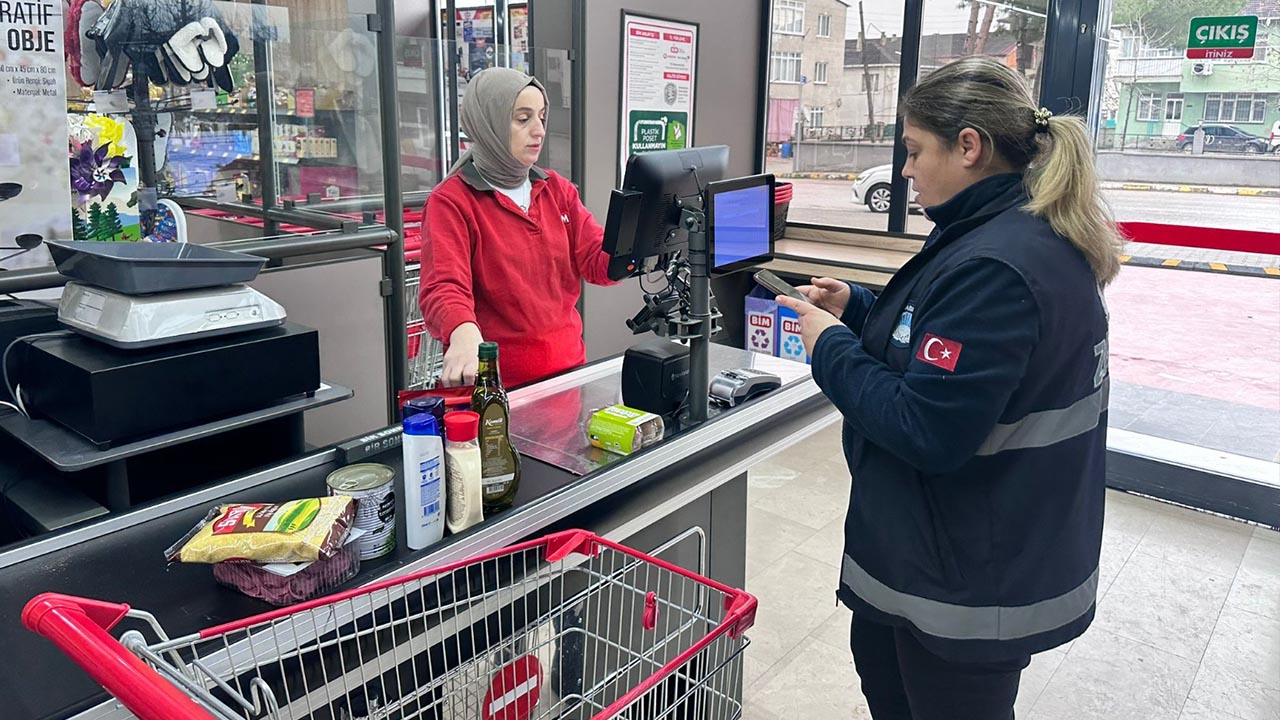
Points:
(1042, 119)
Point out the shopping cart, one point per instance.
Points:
(426, 354)
(570, 626)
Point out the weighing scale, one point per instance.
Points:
(141, 321)
(141, 295)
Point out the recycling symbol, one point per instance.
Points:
(759, 338)
(793, 347)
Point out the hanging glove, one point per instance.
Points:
(222, 76)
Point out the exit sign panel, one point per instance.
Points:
(1222, 38)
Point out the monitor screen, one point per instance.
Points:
(741, 226)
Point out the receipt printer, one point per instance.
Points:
(655, 376)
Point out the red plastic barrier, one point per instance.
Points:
(1202, 237)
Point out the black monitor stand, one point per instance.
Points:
(685, 309)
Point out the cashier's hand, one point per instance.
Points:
(828, 294)
(462, 359)
(813, 320)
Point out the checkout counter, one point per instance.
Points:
(695, 479)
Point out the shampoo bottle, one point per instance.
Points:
(423, 481)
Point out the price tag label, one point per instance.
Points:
(204, 99)
(110, 102)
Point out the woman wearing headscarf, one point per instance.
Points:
(506, 243)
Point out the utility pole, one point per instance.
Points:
(866, 70)
(988, 16)
(971, 37)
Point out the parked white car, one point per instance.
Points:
(872, 188)
(1275, 137)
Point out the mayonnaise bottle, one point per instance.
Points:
(463, 462)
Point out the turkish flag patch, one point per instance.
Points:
(939, 352)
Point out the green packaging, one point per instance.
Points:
(623, 430)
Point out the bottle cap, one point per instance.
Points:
(421, 424)
(488, 351)
(433, 404)
(462, 426)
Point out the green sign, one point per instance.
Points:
(1222, 38)
(649, 130)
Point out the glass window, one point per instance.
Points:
(786, 67)
(1149, 107)
(1259, 109)
(788, 17)
(1212, 107)
(842, 121)
(1216, 405)
(1228, 111)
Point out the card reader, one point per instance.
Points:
(734, 387)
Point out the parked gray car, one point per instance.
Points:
(1223, 139)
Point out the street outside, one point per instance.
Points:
(830, 202)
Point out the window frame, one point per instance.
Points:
(1150, 107)
(788, 57)
(824, 25)
(820, 73)
(1258, 115)
(1067, 75)
(793, 11)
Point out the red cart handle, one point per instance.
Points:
(79, 628)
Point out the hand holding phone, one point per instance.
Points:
(778, 286)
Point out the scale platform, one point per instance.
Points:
(131, 322)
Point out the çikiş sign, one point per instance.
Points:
(1222, 38)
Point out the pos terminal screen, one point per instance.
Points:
(741, 226)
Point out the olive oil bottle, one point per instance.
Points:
(499, 460)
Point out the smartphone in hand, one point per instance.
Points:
(778, 286)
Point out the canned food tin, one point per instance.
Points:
(372, 488)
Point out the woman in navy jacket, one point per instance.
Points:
(974, 394)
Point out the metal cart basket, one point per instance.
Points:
(567, 626)
(426, 353)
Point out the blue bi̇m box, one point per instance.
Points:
(790, 342)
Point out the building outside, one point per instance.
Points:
(870, 77)
(805, 66)
(1158, 94)
(876, 63)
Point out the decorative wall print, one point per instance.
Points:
(104, 180)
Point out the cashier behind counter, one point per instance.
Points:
(506, 244)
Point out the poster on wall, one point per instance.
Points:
(34, 173)
(659, 69)
(519, 22)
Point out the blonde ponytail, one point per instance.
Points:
(1063, 186)
(994, 100)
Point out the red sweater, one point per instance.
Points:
(517, 276)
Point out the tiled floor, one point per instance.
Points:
(1188, 622)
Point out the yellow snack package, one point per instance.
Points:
(291, 532)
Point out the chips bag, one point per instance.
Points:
(291, 532)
